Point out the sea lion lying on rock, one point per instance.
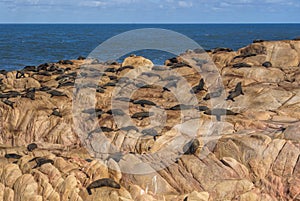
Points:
(218, 112)
(106, 182)
(14, 156)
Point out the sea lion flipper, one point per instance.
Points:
(89, 191)
(218, 117)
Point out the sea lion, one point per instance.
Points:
(181, 107)
(44, 88)
(170, 85)
(106, 129)
(66, 62)
(171, 78)
(123, 68)
(43, 66)
(9, 103)
(110, 84)
(100, 130)
(141, 85)
(201, 108)
(20, 74)
(180, 65)
(112, 77)
(44, 73)
(143, 103)
(191, 147)
(128, 128)
(98, 111)
(117, 112)
(221, 49)
(66, 84)
(30, 68)
(241, 65)
(32, 147)
(30, 93)
(142, 115)
(200, 87)
(258, 41)
(111, 62)
(60, 71)
(110, 70)
(218, 112)
(267, 64)
(124, 99)
(150, 132)
(56, 93)
(14, 156)
(102, 183)
(56, 112)
(100, 89)
(41, 161)
(10, 94)
(149, 74)
(236, 92)
(243, 56)
(81, 58)
(159, 68)
(3, 72)
(215, 94)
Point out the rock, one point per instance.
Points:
(137, 61)
(196, 196)
(252, 153)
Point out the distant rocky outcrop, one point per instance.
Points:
(245, 148)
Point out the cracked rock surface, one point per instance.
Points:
(248, 148)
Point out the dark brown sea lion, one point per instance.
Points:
(56, 93)
(32, 146)
(14, 156)
(66, 62)
(41, 161)
(150, 132)
(241, 65)
(143, 103)
(106, 182)
(8, 102)
(236, 92)
(267, 64)
(30, 93)
(117, 112)
(191, 147)
(123, 68)
(218, 112)
(142, 115)
(55, 112)
(20, 74)
(200, 87)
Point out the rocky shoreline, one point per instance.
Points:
(255, 157)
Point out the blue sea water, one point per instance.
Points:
(33, 44)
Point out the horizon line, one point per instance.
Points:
(131, 23)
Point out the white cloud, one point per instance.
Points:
(185, 4)
(93, 3)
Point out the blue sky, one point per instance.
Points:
(149, 11)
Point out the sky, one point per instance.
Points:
(149, 11)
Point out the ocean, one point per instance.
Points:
(33, 44)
